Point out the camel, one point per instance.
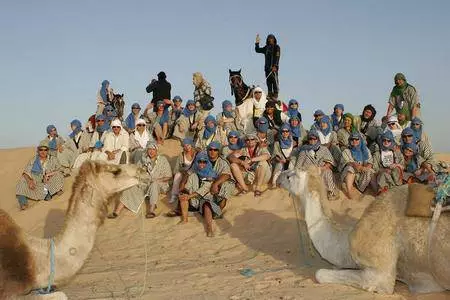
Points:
(382, 246)
(25, 260)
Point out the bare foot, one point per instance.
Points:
(182, 222)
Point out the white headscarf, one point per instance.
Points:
(145, 137)
(397, 130)
(259, 106)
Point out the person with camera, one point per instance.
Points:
(160, 89)
(202, 95)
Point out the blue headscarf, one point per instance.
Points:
(412, 165)
(98, 144)
(317, 123)
(104, 127)
(409, 131)
(214, 145)
(325, 119)
(165, 115)
(295, 130)
(285, 143)
(308, 147)
(239, 144)
(360, 153)
(209, 131)
(387, 135)
(130, 121)
(52, 142)
(188, 141)
(417, 132)
(207, 171)
(37, 167)
(334, 117)
(104, 90)
(112, 110)
(186, 111)
(292, 111)
(77, 129)
(262, 125)
(226, 113)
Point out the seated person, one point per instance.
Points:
(394, 127)
(293, 110)
(282, 153)
(250, 165)
(209, 133)
(159, 121)
(388, 164)
(262, 129)
(55, 142)
(117, 143)
(188, 123)
(104, 96)
(182, 165)
(196, 194)
(367, 125)
(328, 138)
(275, 118)
(343, 134)
(415, 169)
(157, 180)
(41, 179)
(337, 120)
(356, 165)
(318, 114)
(175, 113)
(235, 143)
(259, 103)
(314, 154)
(78, 143)
(422, 141)
(138, 140)
(130, 122)
(298, 132)
(228, 120)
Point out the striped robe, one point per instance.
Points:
(388, 176)
(133, 197)
(54, 185)
(305, 159)
(362, 178)
(219, 136)
(183, 124)
(74, 147)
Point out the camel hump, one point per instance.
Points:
(16, 262)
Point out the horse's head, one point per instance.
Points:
(235, 78)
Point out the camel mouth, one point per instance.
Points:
(283, 179)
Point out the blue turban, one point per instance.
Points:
(77, 124)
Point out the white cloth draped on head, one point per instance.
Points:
(259, 105)
(116, 122)
(143, 138)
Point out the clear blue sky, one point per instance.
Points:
(54, 54)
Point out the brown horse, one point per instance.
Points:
(118, 104)
(239, 89)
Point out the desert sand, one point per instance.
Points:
(261, 235)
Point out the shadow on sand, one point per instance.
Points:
(278, 237)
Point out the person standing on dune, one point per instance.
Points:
(271, 53)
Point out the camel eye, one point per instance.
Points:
(117, 171)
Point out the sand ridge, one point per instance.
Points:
(261, 235)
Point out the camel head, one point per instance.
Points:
(294, 181)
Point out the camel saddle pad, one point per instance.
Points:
(420, 199)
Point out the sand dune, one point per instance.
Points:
(257, 234)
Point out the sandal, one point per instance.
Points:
(113, 215)
(173, 213)
(257, 193)
(150, 215)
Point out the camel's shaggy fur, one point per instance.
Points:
(24, 260)
(384, 245)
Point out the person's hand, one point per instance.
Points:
(149, 106)
(31, 184)
(432, 177)
(418, 172)
(274, 68)
(111, 155)
(214, 189)
(194, 125)
(257, 39)
(47, 177)
(167, 101)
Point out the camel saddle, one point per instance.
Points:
(423, 198)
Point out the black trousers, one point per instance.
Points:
(272, 86)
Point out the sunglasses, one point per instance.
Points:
(258, 92)
(285, 131)
(202, 161)
(136, 108)
(354, 139)
(43, 149)
(248, 140)
(416, 124)
(391, 124)
(293, 104)
(386, 141)
(312, 139)
(100, 120)
(407, 135)
(316, 116)
(140, 125)
(116, 127)
(213, 149)
(232, 137)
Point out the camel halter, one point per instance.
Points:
(51, 276)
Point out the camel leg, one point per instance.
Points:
(369, 279)
(52, 296)
(422, 283)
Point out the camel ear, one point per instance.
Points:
(121, 95)
(239, 71)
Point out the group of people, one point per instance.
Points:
(230, 154)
